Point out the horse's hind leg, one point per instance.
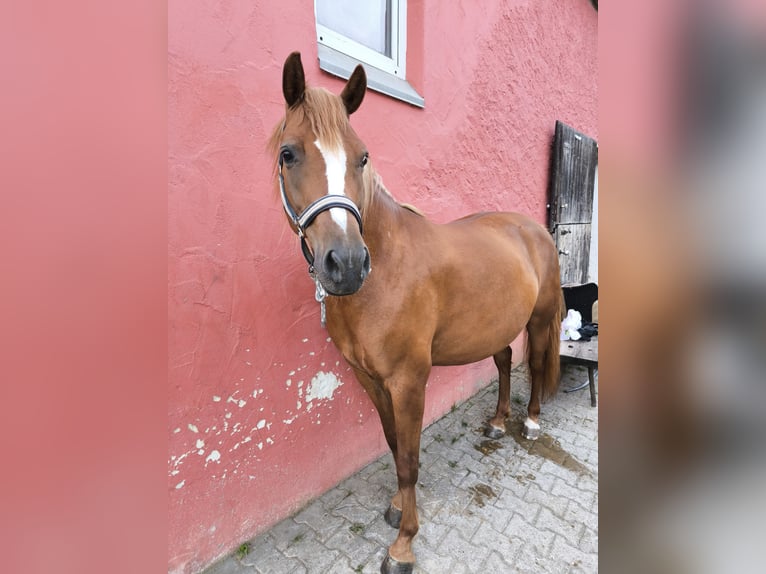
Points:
(543, 350)
(496, 426)
(536, 352)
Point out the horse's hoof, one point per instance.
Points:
(391, 566)
(393, 516)
(493, 432)
(531, 430)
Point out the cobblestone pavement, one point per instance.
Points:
(485, 506)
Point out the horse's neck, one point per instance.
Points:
(386, 214)
(390, 229)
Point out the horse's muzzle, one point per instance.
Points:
(342, 271)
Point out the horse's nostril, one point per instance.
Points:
(334, 266)
(366, 266)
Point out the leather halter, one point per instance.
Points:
(302, 221)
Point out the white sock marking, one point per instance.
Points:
(530, 424)
(335, 170)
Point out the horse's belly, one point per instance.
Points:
(469, 341)
(485, 309)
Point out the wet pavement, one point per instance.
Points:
(508, 505)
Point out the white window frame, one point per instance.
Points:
(339, 55)
(396, 64)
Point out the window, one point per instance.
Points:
(373, 32)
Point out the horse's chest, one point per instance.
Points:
(371, 345)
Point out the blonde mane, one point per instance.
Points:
(325, 113)
(328, 120)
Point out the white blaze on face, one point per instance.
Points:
(335, 170)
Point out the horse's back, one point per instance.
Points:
(518, 235)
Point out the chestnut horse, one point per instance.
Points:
(403, 293)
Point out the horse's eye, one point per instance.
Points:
(365, 157)
(287, 155)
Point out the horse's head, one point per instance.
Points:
(321, 167)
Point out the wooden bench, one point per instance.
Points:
(582, 353)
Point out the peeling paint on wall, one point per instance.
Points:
(322, 386)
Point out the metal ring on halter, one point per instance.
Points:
(301, 222)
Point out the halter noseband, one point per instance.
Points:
(302, 221)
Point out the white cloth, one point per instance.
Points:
(570, 325)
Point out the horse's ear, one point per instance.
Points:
(353, 93)
(293, 80)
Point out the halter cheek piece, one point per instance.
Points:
(302, 221)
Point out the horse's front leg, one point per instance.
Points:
(407, 393)
(382, 401)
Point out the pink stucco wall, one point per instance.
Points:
(248, 444)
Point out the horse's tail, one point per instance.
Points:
(552, 360)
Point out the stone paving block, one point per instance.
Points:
(515, 484)
(581, 453)
(590, 486)
(452, 508)
(355, 512)
(576, 513)
(583, 442)
(546, 476)
(531, 560)
(589, 541)
(476, 464)
(460, 470)
(432, 531)
(380, 533)
(467, 523)
(384, 479)
(440, 448)
(505, 546)
(592, 458)
(372, 497)
(579, 499)
(507, 506)
(333, 496)
(262, 545)
(496, 516)
(272, 563)
(232, 565)
(340, 566)
(567, 438)
(458, 568)
(298, 568)
(556, 504)
(572, 557)
(536, 538)
(286, 531)
(372, 566)
(431, 562)
(496, 563)
(319, 519)
(354, 545)
(571, 532)
(314, 555)
(464, 552)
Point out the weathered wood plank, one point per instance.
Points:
(574, 161)
(573, 242)
(580, 351)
